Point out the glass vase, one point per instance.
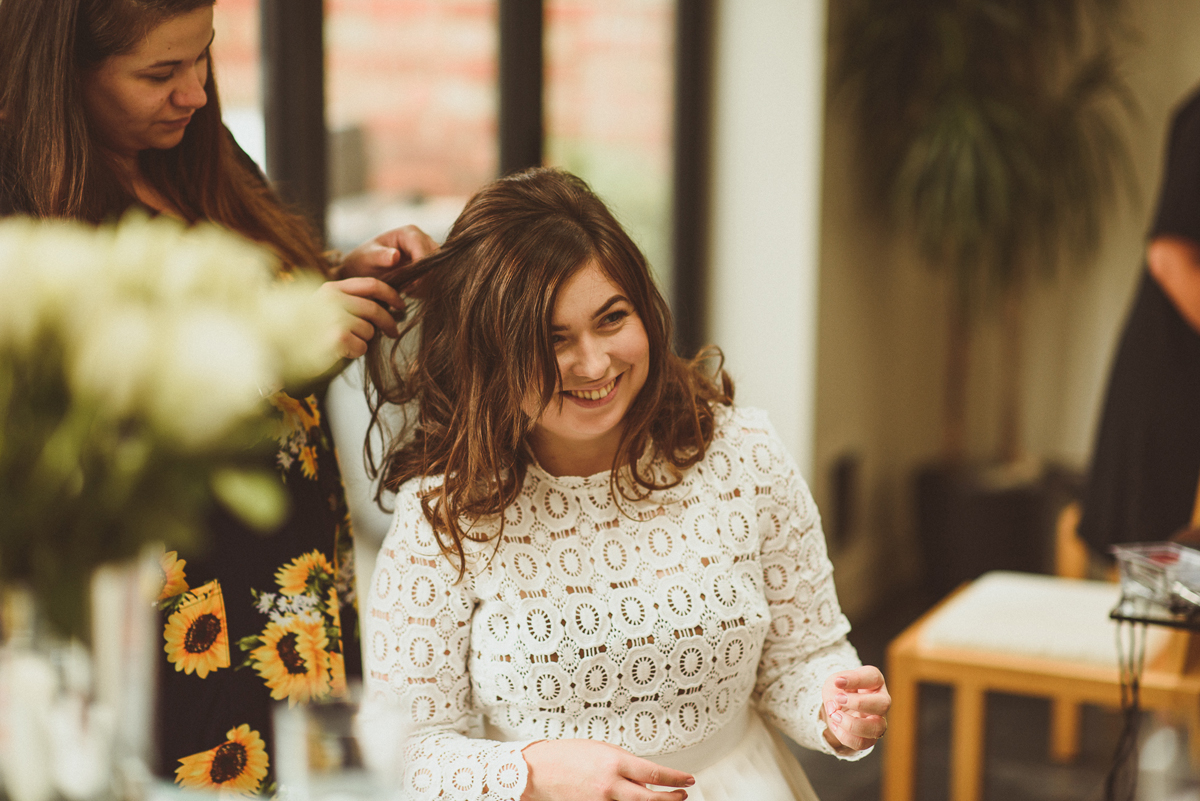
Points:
(75, 720)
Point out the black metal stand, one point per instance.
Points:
(1133, 615)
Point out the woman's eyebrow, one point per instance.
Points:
(614, 299)
(178, 61)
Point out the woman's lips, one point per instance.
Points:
(594, 397)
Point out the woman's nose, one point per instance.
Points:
(191, 94)
(591, 359)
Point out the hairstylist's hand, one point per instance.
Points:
(362, 298)
(589, 770)
(398, 246)
(854, 703)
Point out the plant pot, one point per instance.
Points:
(972, 519)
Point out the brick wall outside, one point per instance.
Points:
(419, 77)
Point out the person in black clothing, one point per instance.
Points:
(1146, 463)
(107, 105)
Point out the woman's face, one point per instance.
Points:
(145, 99)
(603, 357)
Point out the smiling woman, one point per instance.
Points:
(603, 357)
(593, 550)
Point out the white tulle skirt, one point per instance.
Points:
(746, 760)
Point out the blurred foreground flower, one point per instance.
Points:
(135, 361)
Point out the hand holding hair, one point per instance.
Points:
(366, 302)
(393, 248)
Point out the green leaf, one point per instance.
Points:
(250, 642)
(255, 496)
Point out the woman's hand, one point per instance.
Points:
(589, 770)
(398, 246)
(854, 705)
(369, 302)
(366, 302)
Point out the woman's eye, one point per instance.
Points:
(615, 317)
(159, 78)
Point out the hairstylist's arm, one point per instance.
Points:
(589, 770)
(1175, 264)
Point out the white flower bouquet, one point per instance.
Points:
(135, 360)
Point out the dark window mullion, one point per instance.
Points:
(521, 81)
(690, 201)
(293, 51)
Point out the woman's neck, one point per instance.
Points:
(129, 172)
(560, 457)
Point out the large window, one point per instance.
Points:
(411, 107)
(410, 92)
(609, 106)
(235, 53)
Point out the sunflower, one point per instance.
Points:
(296, 415)
(294, 577)
(237, 765)
(308, 461)
(333, 608)
(312, 417)
(337, 675)
(196, 633)
(174, 579)
(293, 660)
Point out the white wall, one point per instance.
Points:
(881, 326)
(769, 95)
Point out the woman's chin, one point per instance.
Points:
(165, 140)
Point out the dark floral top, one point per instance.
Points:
(258, 620)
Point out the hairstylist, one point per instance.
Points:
(111, 104)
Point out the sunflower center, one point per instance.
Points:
(228, 762)
(289, 656)
(202, 634)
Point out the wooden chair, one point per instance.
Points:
(1027, 635)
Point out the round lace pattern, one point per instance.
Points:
(647, 624)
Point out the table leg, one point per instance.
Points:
(900, 742)
(1064, 730)
(966, 747)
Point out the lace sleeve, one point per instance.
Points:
(418, 634)
(806, 641)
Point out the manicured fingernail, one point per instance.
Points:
(841, 698)
(830, 708)
(690, 782)
(836, 717)
(840, 683)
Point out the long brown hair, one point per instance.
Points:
(50, 165)
(484, 340)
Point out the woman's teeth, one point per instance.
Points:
(593, 394)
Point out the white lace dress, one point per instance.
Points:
(670, 626)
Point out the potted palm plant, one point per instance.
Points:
(992, 137)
